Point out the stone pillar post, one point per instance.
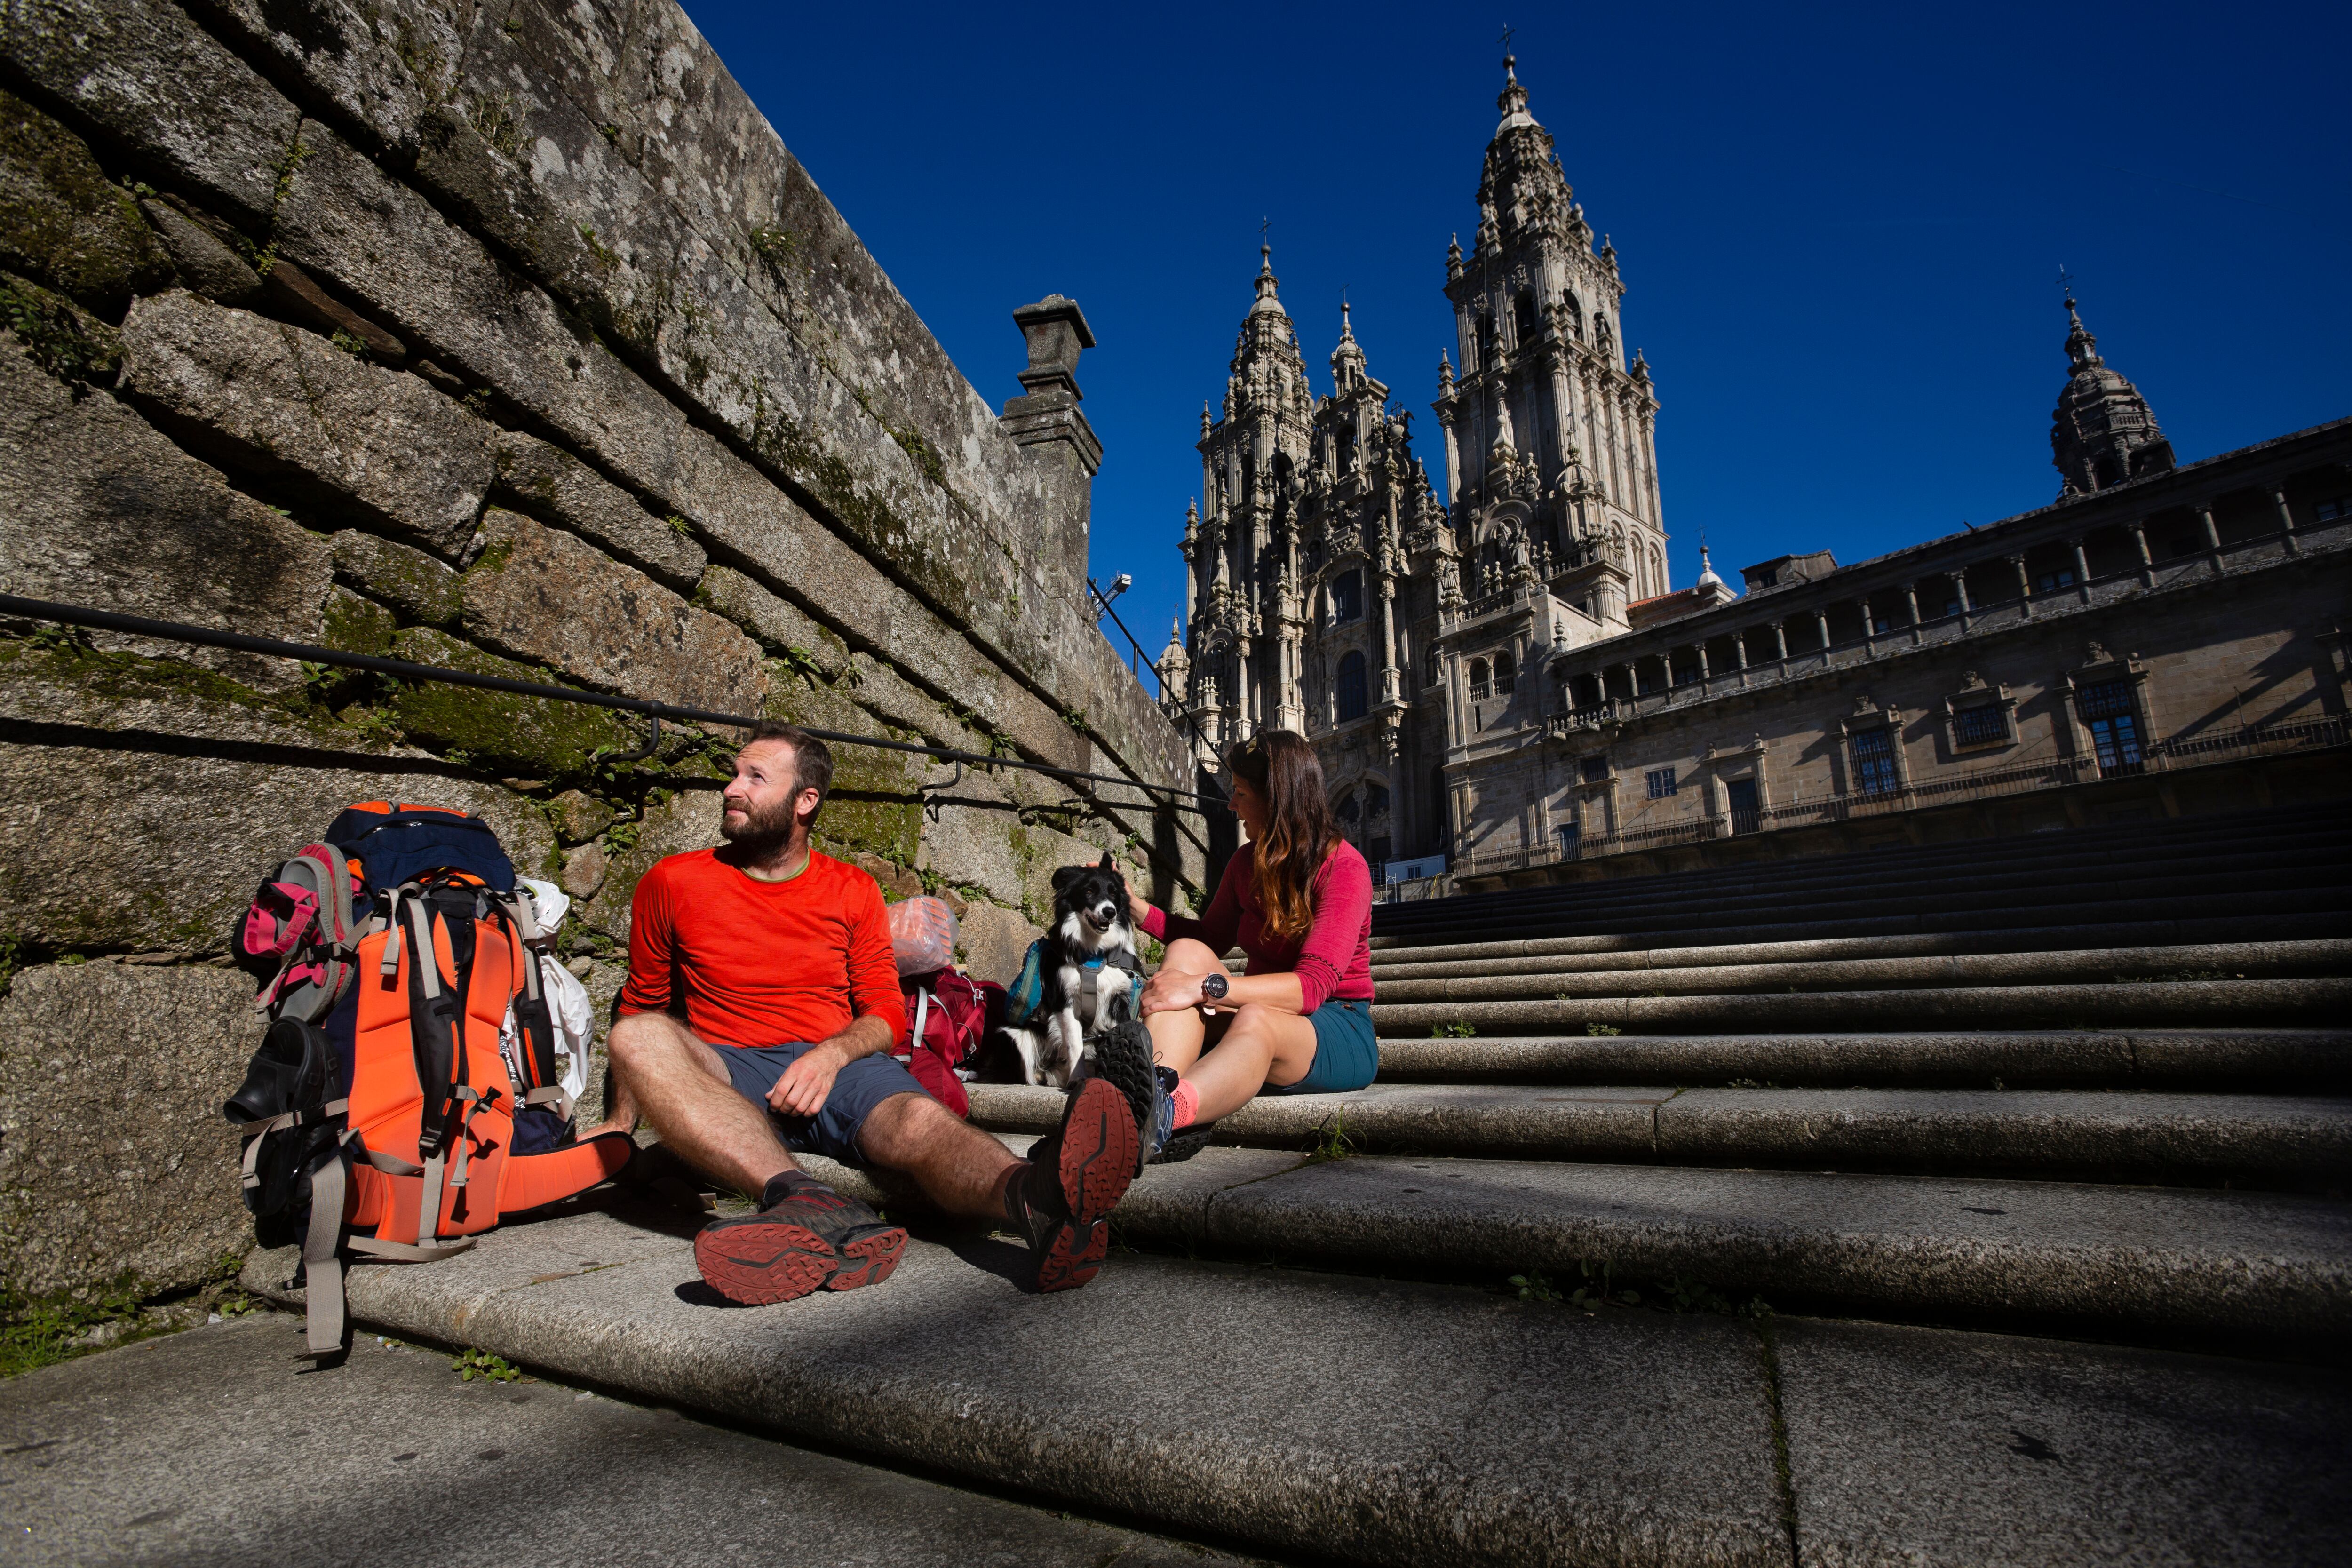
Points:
(2147, 560)
(1739, 643)
(1821, 620)
(1869, 625)
(1960, 590)
(1703, 673)
(2212, 533)
(2081, 569)
(1911, 599)
(2286, 522)
(1632, 681)
(1392, 678)
(2025, 585)
(1046, 422)
(1780, 641)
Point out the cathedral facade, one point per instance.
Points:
(1504, 676)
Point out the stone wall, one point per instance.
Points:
(499, 338)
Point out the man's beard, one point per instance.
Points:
(763, 833)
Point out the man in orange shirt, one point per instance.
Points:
(779, 960)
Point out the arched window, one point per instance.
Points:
(1479, 689)
(1350, 687)
(1429, 671)
(1486, 340)
(1348, 596)
(1575, 313)
(1376, 800)
(1523, 320)
(1347, 810)
(1506, 675)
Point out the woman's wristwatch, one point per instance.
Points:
(1213, 986)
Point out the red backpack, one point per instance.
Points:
(949, 1013)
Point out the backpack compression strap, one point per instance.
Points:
(534, 1022)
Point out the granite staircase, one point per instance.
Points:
(1951, 1204)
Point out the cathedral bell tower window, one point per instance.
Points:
(1479, 688)
(1349, 687)
(1347, 597)
(1523, 320)
(1506, 678)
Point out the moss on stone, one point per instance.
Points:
(495, 729)
(58, 335)
(354, 625)
(64, 222)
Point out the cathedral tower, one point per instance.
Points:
(1550, 433)
(2103, 432)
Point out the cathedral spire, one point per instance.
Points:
(2102, 432)
(1348, 359)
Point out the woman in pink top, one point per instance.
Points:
(1297, 899)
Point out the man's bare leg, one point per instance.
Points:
(958, 1167)
(680, 1086)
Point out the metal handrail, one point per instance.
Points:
(174, 631)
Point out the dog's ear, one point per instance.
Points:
(1105, 863)
(1065, 876)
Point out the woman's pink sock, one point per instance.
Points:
(1187, 1101)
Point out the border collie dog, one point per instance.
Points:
(1076, 975)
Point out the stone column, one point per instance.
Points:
(1869, 626)
(1632, 681)
(1821, 624)
(2212, 533)
(2286, 522)
(2081, 569)
(1960, 590)
(1703, 673)
(2024, 585)
(1740, 644)
(1391, 678)
(2147, 561)
(1911, 598)
(1780, 641)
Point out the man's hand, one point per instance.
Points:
(1169, 992)
(802, 1090)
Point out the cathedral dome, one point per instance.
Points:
(2102, 432)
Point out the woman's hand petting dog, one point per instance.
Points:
(1169, 992)
(1139, 908)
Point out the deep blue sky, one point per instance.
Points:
(1839, 227)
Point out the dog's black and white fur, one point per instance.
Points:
(1090, 917)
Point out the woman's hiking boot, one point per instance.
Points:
(1062, 1199)
(1123, 1059)
(811, 1238)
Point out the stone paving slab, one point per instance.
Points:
(1366, 1420)
(2120, 1259)
(1369, 1420)
(1922, 1447)
(2305, 1059)
(209, 1446)
(2118, 1135)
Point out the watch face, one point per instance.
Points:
(1214, 987)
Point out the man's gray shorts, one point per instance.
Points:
(833, 1131)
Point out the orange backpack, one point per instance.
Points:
(406, 1134)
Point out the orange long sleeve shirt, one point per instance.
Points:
(761, 964)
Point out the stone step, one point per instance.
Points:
(1478, 982)
(1540, 956)
(2117, 1261)
(2187, 1003)
(2312, 1061)
(2149, 898)
(2252, 917)
(1343, 1418)
(2279, 1142)
(2037, 857)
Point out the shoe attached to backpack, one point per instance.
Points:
(379, 1114)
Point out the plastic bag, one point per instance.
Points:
(922, 935)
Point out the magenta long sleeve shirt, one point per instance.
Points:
(1333, 959)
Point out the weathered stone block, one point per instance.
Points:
(580, 815)
(115, 1159)
(990, 941)
(421, 588)
(780, 626)
(538, 592)
(688, 820)
(203, 260)
(583, 871)
(140, 801)
(63, 221)
(530, 735)
(289, 404)
(552, 485)
(150, 74)
(95, 508)
(968, 840)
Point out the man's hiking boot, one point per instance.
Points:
(813, 1238)
(1123, 1059)
(1061, 1200)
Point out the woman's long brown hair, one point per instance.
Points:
(1299, 832)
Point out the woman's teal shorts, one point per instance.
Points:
(1346, 1054)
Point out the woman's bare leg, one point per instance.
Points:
(1263, 1045)
(1179, 1035)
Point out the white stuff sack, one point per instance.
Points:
(567, 1001)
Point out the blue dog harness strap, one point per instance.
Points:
(1024, 1001)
